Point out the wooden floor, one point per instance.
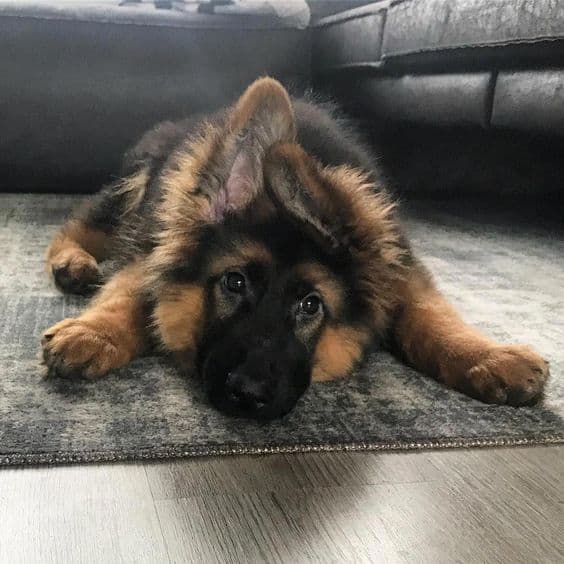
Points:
(498, 505)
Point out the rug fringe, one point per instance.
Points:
(190, 451)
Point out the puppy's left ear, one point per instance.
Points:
(262, 116)
(298, 188)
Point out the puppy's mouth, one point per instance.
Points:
(239, 391)
(246, 401)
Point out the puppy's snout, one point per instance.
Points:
(247, 391)
(262, 381)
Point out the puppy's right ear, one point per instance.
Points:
(262, 116)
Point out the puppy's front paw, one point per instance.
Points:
(75, 271)
(74, 347)
(513, 375)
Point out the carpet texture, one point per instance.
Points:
(505, 276)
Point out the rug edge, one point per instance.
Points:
(191, 451)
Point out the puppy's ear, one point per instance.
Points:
(262, 117)
(296, 184)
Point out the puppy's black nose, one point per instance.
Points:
(246, 392)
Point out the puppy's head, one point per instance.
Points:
(270, 270)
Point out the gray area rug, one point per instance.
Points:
(505, 276)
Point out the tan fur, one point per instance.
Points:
(349, 210)
(76, 250)
(81, 266)
(267, 101)
(178, 316)
(263, 209)
(324, 281)
(133, 187)
(109, 334)
(247, 252)
(368, 217)
(184, 209)
(338, 350)
(75, 235)
(436, 340)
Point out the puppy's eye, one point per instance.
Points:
(310, 305)
(235, 282)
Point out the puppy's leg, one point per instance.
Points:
(109, 334)
(433, 338)
(73, 256)
(86, 240)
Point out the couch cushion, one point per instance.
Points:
(441, 99)
(428, 26)
(483, 62)
(81, 81)
(323, 8)
(350, 40)
(276, 13)
(443, 33)
(531, 100)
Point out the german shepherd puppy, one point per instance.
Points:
(259, 247)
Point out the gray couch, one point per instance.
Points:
(490, 63)
(82, 80)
